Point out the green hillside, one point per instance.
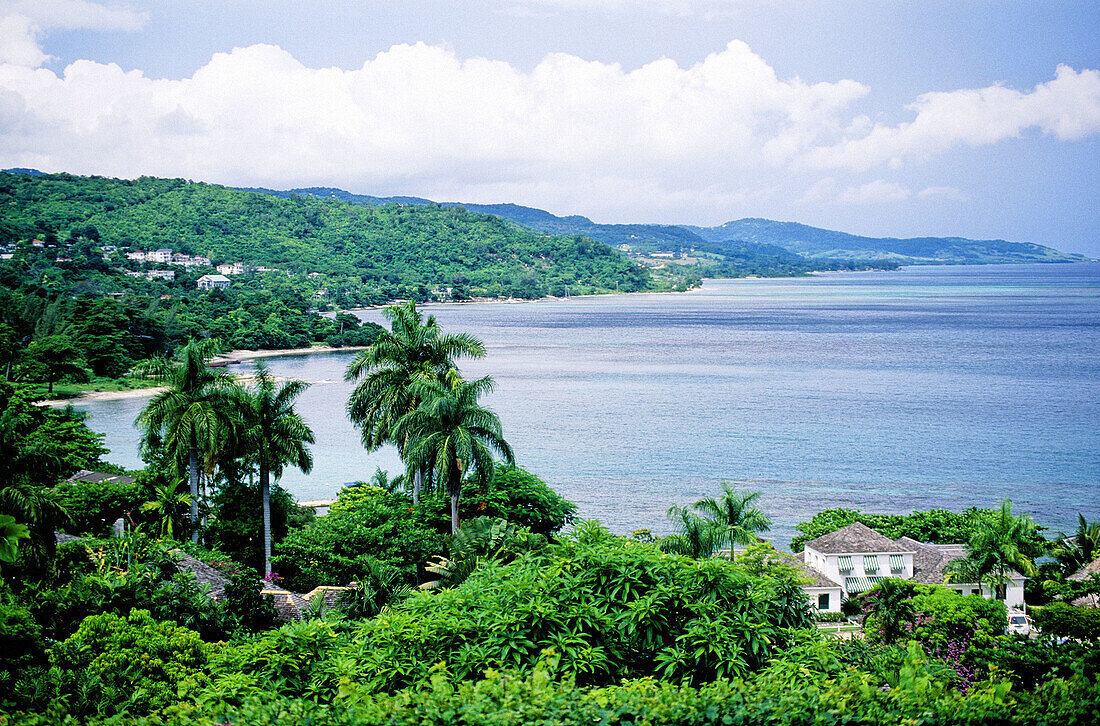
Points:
(377, 253)
(747, 246)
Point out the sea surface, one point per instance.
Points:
(881, 391)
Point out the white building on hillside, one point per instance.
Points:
(211, 282)
(855, 558)
(235, 268)
(163, 255)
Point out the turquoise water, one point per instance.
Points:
(888, 392)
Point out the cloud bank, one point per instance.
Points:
(724, 131)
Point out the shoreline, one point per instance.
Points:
(248, 355)
(241, 355)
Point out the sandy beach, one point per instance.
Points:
(231, 355)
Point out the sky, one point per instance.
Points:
(879, 117)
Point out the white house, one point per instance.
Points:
(855, 558)
(235, 268)
(163, 255)
(211, 282)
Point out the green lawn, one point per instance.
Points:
(66, 389)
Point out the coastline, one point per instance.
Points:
(239, 355)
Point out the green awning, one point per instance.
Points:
(897, 563)
(844, 562)
(856, 585)
(870, 563)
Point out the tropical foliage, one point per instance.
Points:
(450, 435)
(275, 435)
(712, 525)
(192, 421)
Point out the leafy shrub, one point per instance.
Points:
(808, 685)
(245, 605)
(611, 608)
(133, 663)
(365, 525)
(1030, 663)
(1059, 620)
(95, 506)
(116, 576)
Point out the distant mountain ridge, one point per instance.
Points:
(737, 239)
(753, 236)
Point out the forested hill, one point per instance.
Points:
(735, 237)
(378, 253)
(816, 243)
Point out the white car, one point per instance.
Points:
(1018, 624)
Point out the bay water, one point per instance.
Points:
(881, 391)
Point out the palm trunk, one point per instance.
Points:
(456, 492)
(193, 475)
(265, 494)
(418, 479)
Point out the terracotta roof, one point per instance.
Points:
(819, 578)
(854, 539)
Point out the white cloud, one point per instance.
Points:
(18, 45)
(1067, 107)
(827, 192)
(950, 193)
(876, 192)
(571, 134)
(23, 21)
(418, 111)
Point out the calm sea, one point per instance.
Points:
(887, 392)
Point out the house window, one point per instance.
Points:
(823, 601)
(844, 563)
(870, 563)
(959, 591)
(1002, 592)
(897, 563)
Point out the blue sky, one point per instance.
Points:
(978, 119)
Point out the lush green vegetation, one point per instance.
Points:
(516, 619)
(363, 254)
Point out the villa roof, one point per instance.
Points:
(204, 574)
(289, 604)
(1092, 568)
(928, 561)
(853, 539)
(819, 578)
(99, 476)
(214, 278)
(1091, 600)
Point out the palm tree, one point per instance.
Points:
(996, 549)
(731, 519)
(450, 434)
(167, 502)
(197, 413)
(276, 436)
(1076, 551)
(694, 537)
(734, 516)
(39, 509)
(414, 350)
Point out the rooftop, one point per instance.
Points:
(856, 538)
(819, 578)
